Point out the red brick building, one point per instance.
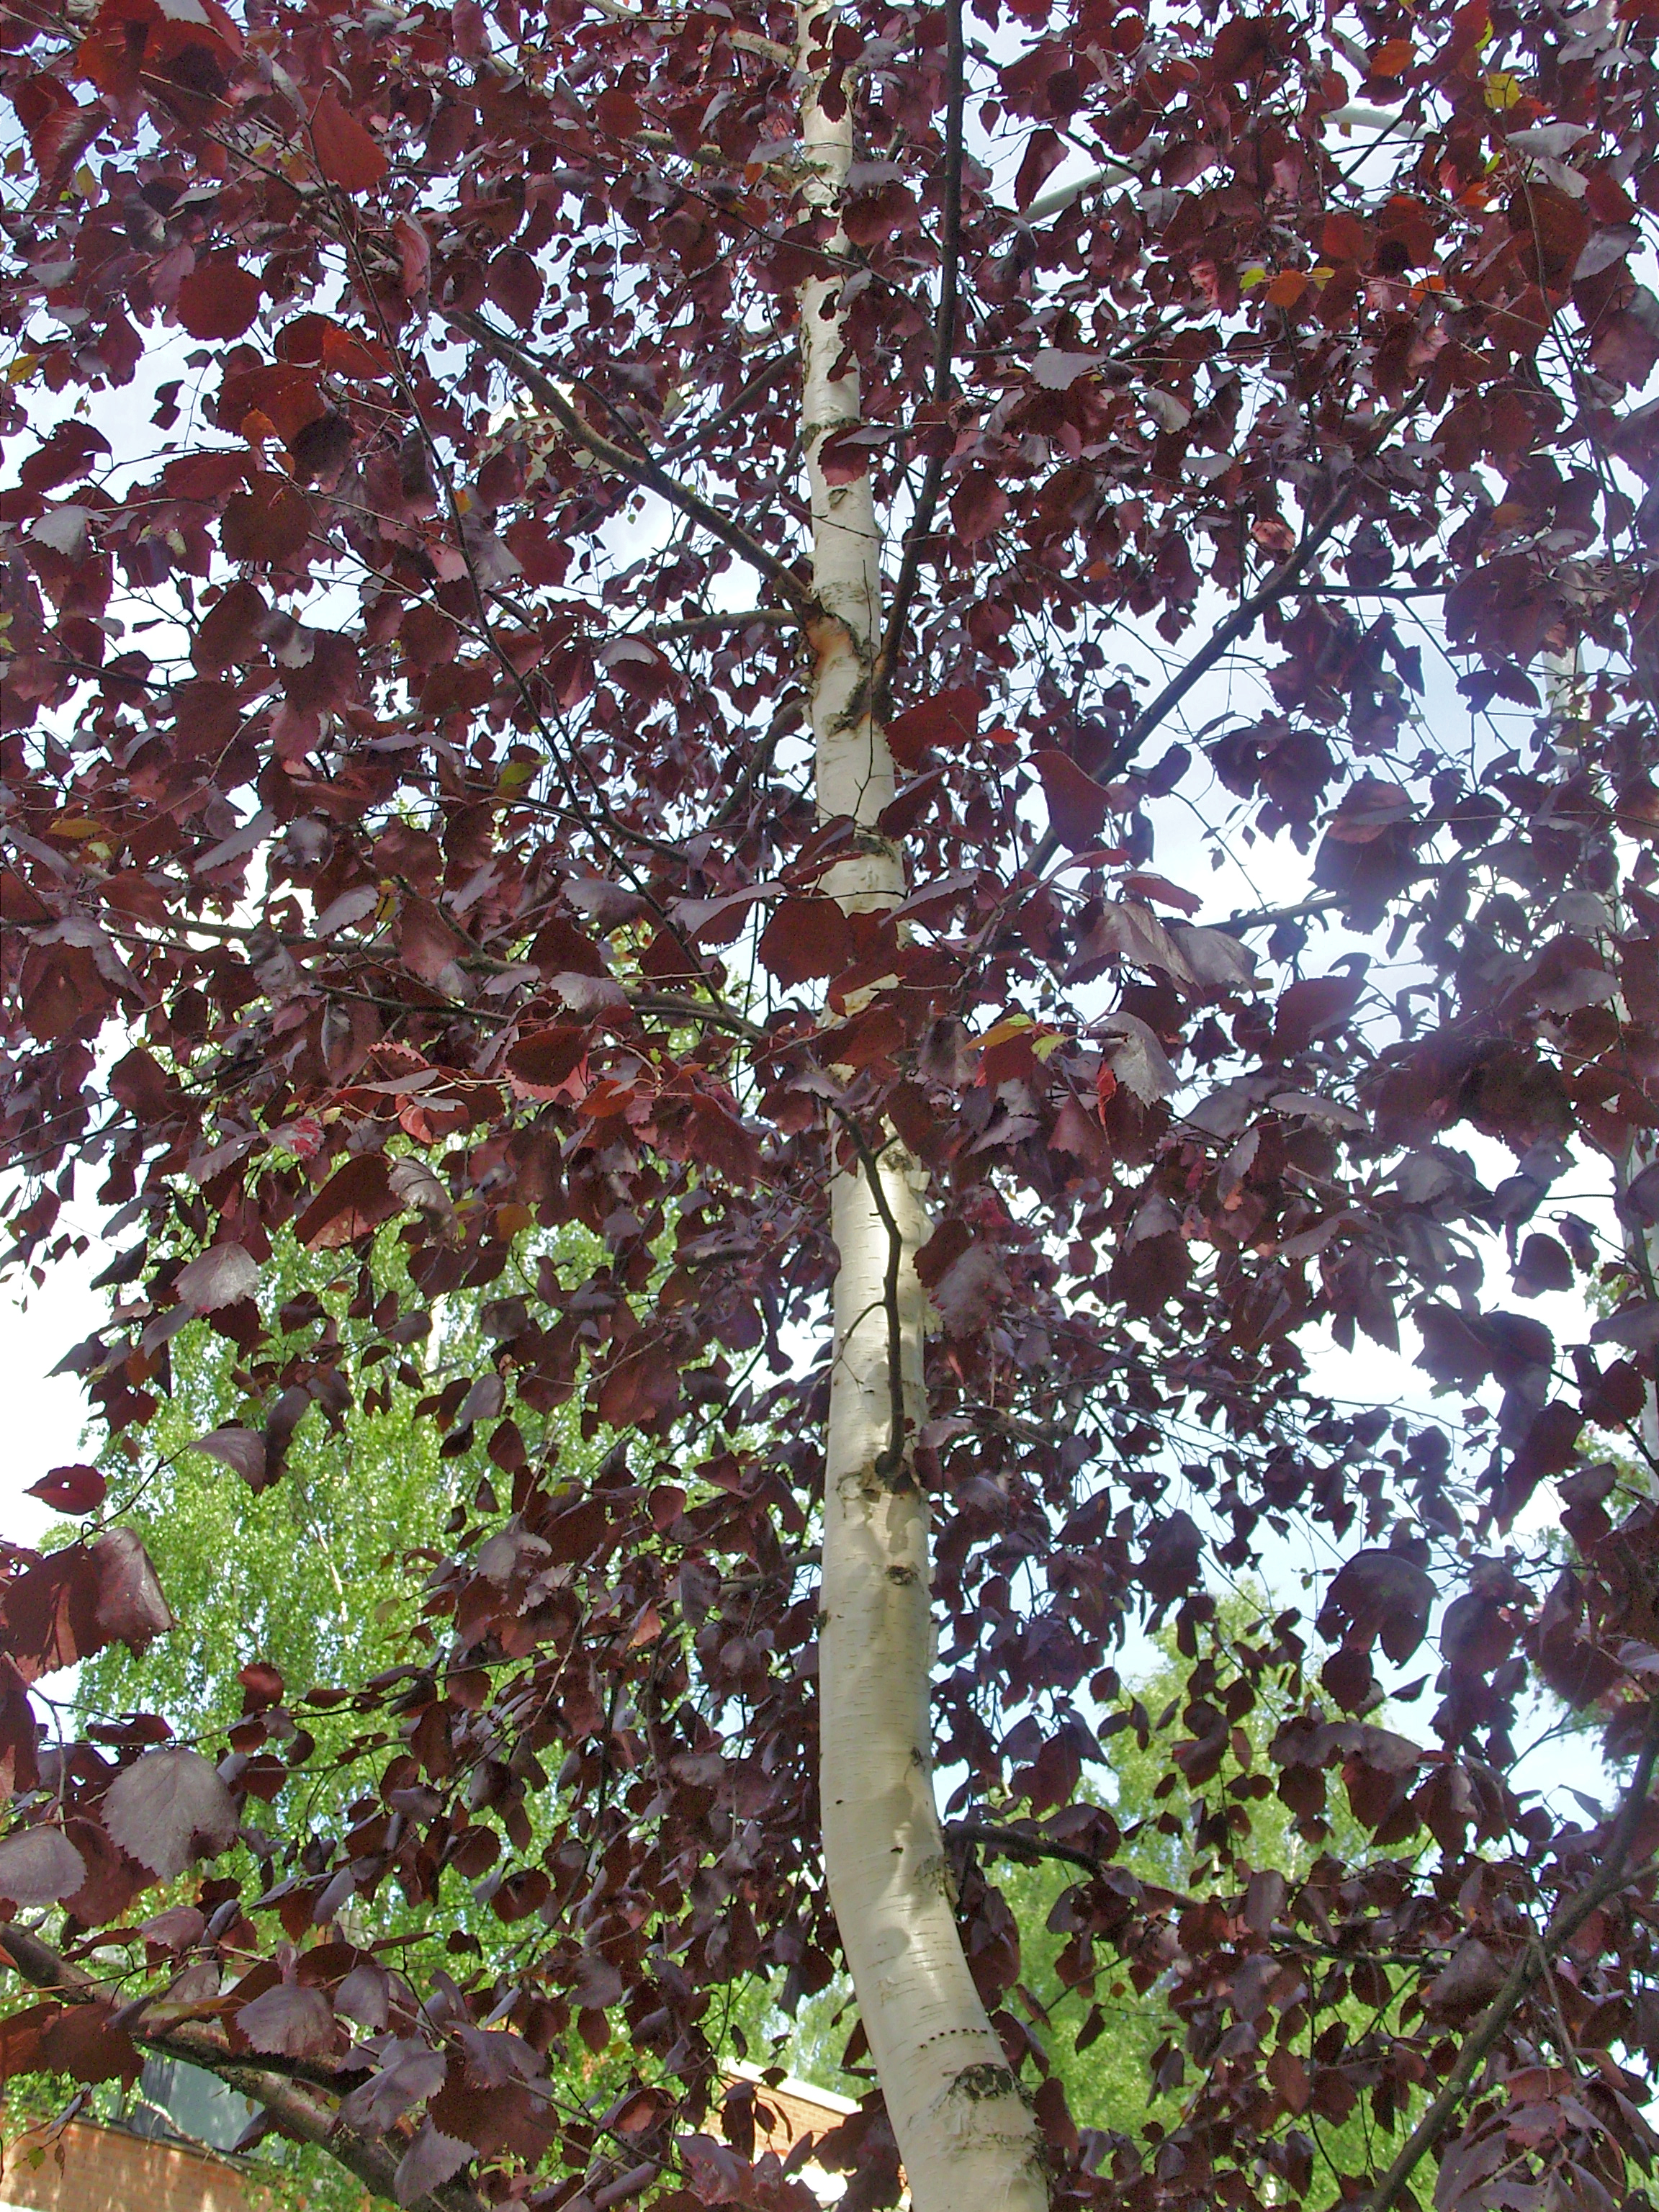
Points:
(85, 2168)
(793, 2109)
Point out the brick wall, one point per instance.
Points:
(106, 2169)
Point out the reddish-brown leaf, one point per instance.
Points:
(39, 1866)
(130, 1608)
(1078, 805)
(978, 506)
(241, 1449)
(949, 719)
(218, 299)
(71, 1489)
(112, 1880)
(221, 1276)
(515, 283)
(84, 2041)
(1045, 150)
(1319, 1007)
(354, 1200)
(807, 936)
(346, 154)
(268, 524)
(431, 2159)
(1170, 1566)
(168, 1809)
(545, 1058)
(228, 633)
(290, 2022)
(1381, 1596)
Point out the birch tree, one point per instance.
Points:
(850, 712)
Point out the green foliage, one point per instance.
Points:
(308, 1575)
(311, 1576)
(319, 1575)
(1130, 2077)
(280, 2176)
(1111, 2048)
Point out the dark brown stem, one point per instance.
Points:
(1015, 1843)
(944, 347)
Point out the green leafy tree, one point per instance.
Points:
(309, 1576)
(1117, 2048)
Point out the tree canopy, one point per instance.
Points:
(650, 657)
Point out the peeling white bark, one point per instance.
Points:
(966, 2135)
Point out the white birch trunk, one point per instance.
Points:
(966, 2135)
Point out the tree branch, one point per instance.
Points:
(699, 432)
(1014, 1843)
(1056, 202)
(747, 42)
(1244, 615)
(719, 1015)
(944, 347)
(1260, 917)
(1528, 1968)
(639, 468)
(717, 618)
(196, 2045)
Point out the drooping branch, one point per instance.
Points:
(1528, 1968)
(639, 468)
(195, 2043)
